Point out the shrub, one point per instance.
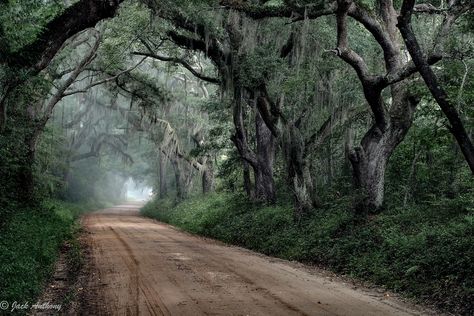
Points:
(29, 247)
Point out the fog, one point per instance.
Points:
(135, 191)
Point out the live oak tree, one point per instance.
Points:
(392, 118)
(37, 55)
(22, 67)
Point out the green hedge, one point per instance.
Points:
(425, 251)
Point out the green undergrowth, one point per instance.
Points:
(30, 244)
(423, 251)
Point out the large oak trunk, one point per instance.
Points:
(369, 160)
(263, 170)
(369, 163)
(262, 159)
(246, 178)
(299, 178)
(208, 177)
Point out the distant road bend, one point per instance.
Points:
(143, 267)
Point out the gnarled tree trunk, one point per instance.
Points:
(181, 192)
(369, 160)
(299, 178)
(263, 158)
(263, 169)
(208, 177)
(246, 177)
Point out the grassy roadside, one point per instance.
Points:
(30, 244)
(425, 252)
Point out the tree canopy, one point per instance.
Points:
(303, 102)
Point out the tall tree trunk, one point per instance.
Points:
(208, 177)
(263, 158)
(163, 189)
(27, 176)
(179, 181)
(301, 185)
(206, 165)
(299, 178)
(369, 160)
(266, 147)
(391, 123)
(247, 181)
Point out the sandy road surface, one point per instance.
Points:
(143, 267)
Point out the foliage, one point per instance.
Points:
(30, 244)
(31, 15)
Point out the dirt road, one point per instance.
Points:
(143, 267)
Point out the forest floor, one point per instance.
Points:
(139, 266)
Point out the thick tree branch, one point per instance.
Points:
(93, 152)
(428, 8)
(294, 12)
(240, 136)
(115, 142)
(36, 56)
(81, 15)
(343, 50)
(103, 81)
(377, 31)
(59, 94)
(371, 85)
(406, 71)
(212, 50)
(181, 62)
(269, 110)
(297, 13)
(264, 108)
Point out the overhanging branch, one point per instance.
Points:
(81, 15)
(102, 81)
(181, 62)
